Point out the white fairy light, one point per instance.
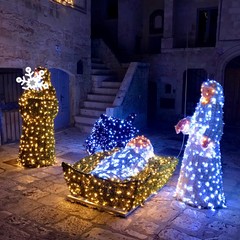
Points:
(32, 80)
(201, 165)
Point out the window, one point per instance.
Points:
(112, 9)
(206, 27)
(156, 22)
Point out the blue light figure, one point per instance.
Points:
(110, 132)
(200, 182)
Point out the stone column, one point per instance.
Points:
(167, 40)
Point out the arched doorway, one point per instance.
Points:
(232, 92)
(191, 91)
(60, 81)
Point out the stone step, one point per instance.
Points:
(101, 78)
(89, 120)
(101, 98)
(102, 72)
(105, 91)
(109, 84)
(85, 128)
(98, 65)
(93, 112)
(96, 60)
(94, 104)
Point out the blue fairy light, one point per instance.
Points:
(110, 132)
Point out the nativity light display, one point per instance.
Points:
(110, 132)
(38, 107)
(200, 182)
(126, 162)
(119, 180)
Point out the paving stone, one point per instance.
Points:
(119, 224)
(8, 232)
(51, 200)
(56, 188)
(46, 215)
(4, 214)
(33, 202)
(17, 221)
(77, 209)
(40, 184)
(222, 227)
(144, 226)
(103, 218)
(4, 194)
(6, 185)
(136, 234)
(229, 215)
(26, 179)
(72, 225)
(39, 174)
(102, 234)
(186, 222)
(34, 193)
(54, 170)
(173, 234)
(20, 206)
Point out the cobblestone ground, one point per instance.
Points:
(33, 202)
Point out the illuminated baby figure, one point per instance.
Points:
(127, 162)
(200, 181)
(38, 106)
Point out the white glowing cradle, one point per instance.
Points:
(118, 197)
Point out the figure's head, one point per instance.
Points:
(141, 145)
(212, 92)
(46, 74)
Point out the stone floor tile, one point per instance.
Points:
(144, 226)
(26, 179)
(79, 210)
(173, 234)
(46, 215)
(20, 206)
(51, 200)
(34, 193)
(73, 226)
(56, 188)
(38, 196)
(12, 233)
(103, 234)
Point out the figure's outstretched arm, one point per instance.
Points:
(183, 125)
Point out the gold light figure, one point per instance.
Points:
(38, 109)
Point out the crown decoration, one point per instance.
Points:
(33, 80)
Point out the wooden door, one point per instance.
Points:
(60, 81)
(10, 119)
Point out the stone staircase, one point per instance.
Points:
(105, 88)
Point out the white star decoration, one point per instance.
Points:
(33, 80)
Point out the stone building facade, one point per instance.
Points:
(185, 42)
(46, 33)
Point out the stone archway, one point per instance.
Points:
(232, 92)
(227, 73)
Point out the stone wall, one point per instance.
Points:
(46, 33)
(169, 66)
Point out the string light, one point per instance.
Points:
(126, 162)
(65, 2)
(110, 132)
(200, 181)
(38, 108)
(120, 195)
